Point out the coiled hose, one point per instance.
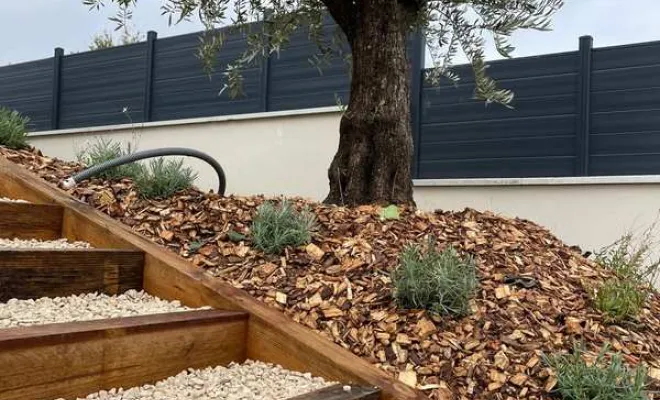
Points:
(140, 155)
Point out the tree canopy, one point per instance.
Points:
(451, 27)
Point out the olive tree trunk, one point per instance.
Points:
(372, 164)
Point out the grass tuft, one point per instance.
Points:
(275, 227)
(578, 379)
(103, 150)
(13, 129)
(631, 256)
(163, 178)
(623, 297)
(439, 281)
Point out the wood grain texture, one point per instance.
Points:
(271, 335)
(30, 221)
(28, 274)
(11, 186)
(337, 392)
(74, 359)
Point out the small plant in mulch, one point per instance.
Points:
(581, 379)
(623, 297)
(439, 281)
(13, 129)
(162, 178)
(620, 299)
(102, 150)
(275, 227)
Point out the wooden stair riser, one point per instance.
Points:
(75, 359)
(30, 221)
(29, 274)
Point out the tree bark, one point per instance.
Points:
(373, 162)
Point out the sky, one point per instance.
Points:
(31, 29)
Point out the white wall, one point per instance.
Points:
(276, 153)
(591, 213)
(289, 153)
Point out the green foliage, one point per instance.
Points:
(102, 41)
(102, 150)
(106, 39)
(194, 246)
(235, 236)
(450, 27)
(630, 258)
(389, 212)
(162, 178)
(13, 129)
(578, 379)
(275, 227)
(439, 281)
(620, 299)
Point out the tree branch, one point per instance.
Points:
(343, 12)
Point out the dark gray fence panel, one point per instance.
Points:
(296, 83)
(181, 89)
(592, 112)
(96, 87)
(625, 98)
(465, 138)
(27, 88)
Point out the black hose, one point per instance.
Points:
(140, 155)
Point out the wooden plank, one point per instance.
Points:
(100, 236)
(169, 276)
(11, 186)
(34, 273)
(71, 360)
(338, 392)
(30, 221)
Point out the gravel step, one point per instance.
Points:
(84, 307)
(41, 244)
(8, 200)
(246, 381)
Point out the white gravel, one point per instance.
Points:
(41, 244)
(247, 381)
(8, 200)
(83, 307)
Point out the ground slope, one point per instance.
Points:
(341, 287)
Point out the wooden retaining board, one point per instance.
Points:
(72, 360)
(272, 337)
(30, 221)
(34, 273)
(338, 392)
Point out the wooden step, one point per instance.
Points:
(71, 360)
(34, 273)
(339, 392)
(30, 221)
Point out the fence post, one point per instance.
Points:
(57, 78)
(265, 67)
(584, 107)
(149, 76)
(416, 86)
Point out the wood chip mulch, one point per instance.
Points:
(340, 286)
